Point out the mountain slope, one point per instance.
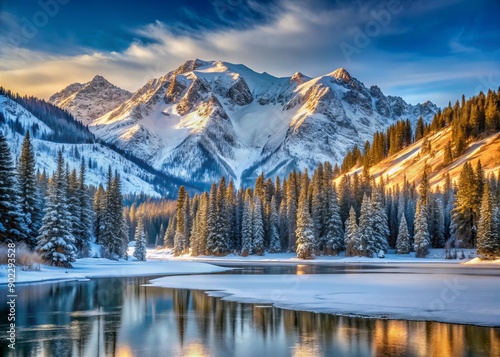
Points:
(410, 161)
(15, 120)
(208, 119)
(88, 101)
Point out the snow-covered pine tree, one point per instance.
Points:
(100, 212)
(168, 239)
(403, 240)
(333, 231)
(436, 220)
(364, 243)
(180, 236)
(464, 211)
(85, 212)
(258, 227)
(421, 242)
(318, 206)
(13, 226)
(187, 222)
(212, 234)
(232, 220)
(73, 207)
(488, 239)
(140, 242)
(199, 241)
(29, 194)
(306, 241)
(247, 226)
(275, 241)
(55, 241)
(351, 234)
(220, 245)
(380, 224)
(284, 224)
(292, 210)
(114, 235)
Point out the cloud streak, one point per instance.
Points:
(295, 38)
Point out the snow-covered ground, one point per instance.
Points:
(99, 267)
(435, 256)
(448, 297)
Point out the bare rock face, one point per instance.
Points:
(239, 92)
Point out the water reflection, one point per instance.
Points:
(119, 317)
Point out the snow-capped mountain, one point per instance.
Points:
(15, 120)
(88, 101)
(208, 119)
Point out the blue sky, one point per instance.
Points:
(416, 49)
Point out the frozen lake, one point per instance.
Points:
(123, 317)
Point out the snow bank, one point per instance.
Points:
(98, 268)
(434, 256)
(481, 261)
(451, 298)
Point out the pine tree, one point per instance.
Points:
(488, 237)
(380, 224)
(180, 236)
(30, 200)
(114, 233)
(403, 240)
(140, 242)
(333, 231)
(351, 234)
(364, 244)
(55, 242)
(73, 206)
(291, 211)
(85, 214)
(199, 237)
(99, 211)
(258, 227)
(13, 226)
(247, 227)
(306, 243)
(168, 240)
(421, 239)
(464, 211)
(275, 241)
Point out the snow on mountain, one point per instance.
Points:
(211, 118)
(88, 101)
(97, 157)
(410, 161)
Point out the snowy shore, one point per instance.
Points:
(451, 298)
(99, 268)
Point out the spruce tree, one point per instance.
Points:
(421, 242)
(306, 242)
(380, 224)
(85, 214)
(464, 211)
(403, 240)
(364, 244)
(180, 236)
(488, 236)
(140, 242)
(56, 242)
(351, 234)
(13, 226)
(275, 241)
(99, 211)
(168, 239)
(258, 227)
(247, 227)
(333, 231)
(29, 194)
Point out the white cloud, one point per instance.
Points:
(297, 39)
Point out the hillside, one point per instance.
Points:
(411, 160)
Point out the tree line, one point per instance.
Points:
(55, 216)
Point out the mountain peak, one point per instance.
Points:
(342, 75)
(299, 78)
(99, 78)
